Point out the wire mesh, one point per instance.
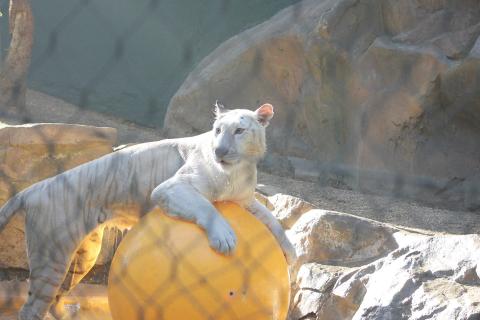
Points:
(106, 37)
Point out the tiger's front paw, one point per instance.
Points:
(221, 236)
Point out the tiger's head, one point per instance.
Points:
(239, 134)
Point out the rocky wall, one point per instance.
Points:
(377, 95)
(33, 152)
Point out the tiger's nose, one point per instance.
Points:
(221, 152)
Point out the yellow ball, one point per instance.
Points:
(165, 269)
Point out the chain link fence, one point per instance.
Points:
(121, 63)
(110, 79)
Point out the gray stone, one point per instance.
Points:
(423, 285)
(305, 169)
(315, 282)
(383, 86)
(335, 238)
(288, 209)
(426, 277)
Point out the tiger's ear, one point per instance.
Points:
(264, 114)
(219, 110)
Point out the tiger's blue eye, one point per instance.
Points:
(218, 130)
(239, 131)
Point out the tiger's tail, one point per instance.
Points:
(8, 209)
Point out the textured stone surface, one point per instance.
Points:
(418, 281)
(355, 268)
(30, 153)
(314, 283)
(288, 209)
(389, 87)
(335, 238)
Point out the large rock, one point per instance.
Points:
(30, 153)
(335, 238)
(286, 209)
(355, 268)
(430, 278)
(389, 87)
(314, 285)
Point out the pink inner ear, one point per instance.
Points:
(265, 110)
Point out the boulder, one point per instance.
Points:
(287, 209)
(33, 152)
(418, 281)
(314, 284)
(389, 87)
(355, 268)
(334, 238)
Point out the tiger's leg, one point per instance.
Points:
(50, 251)
(181, 199)
(46, 275)
(83, 261)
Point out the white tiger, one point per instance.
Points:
(65, 214)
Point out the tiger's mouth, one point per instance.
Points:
(226, 161)
(223, 162)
